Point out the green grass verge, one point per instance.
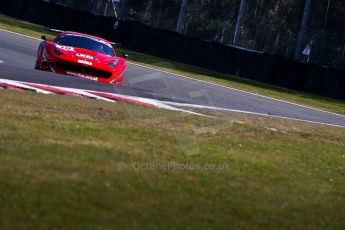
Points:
(60, 159)
(197, 72)
(23, 27)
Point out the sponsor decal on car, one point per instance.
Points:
(84, 56)
(84, 62)
(83, 76)
(67, 48)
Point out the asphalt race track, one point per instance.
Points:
(17, 57)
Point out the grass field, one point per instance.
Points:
(195, 72)
(72, 163)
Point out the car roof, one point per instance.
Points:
(85, 35)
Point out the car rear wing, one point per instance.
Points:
(116, 44)
(53, 30)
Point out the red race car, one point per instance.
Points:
(81, 55)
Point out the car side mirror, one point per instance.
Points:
(125, 56)
(44, 38)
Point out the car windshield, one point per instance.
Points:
(83, 42)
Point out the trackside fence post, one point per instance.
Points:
(181, 16)
(302, 29)
(239, 22)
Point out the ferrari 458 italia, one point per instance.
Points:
(81, 55)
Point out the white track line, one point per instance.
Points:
(246, 112)
(215, 84)
(19, 34)
(239, 90)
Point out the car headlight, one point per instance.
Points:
(113, 64)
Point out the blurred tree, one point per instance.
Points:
(271, 26)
